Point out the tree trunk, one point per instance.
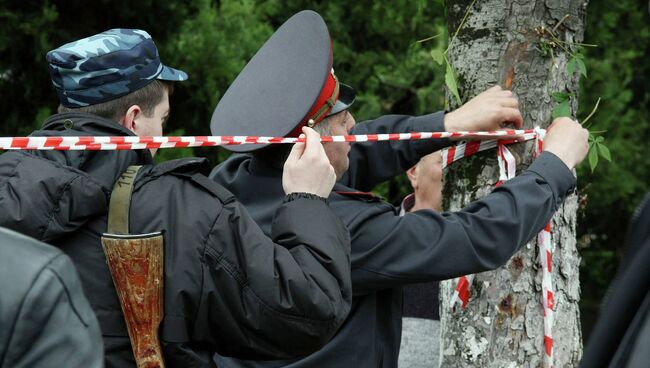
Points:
(503, 323)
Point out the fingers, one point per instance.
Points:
(296, 151)
(494, 89)
(513, 116)
(557, 121)
(503, 97)
(509, 102)
(307, 169)
(568, 140)
(510, 107)
(313, 146)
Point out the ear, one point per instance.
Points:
(412, 175)
(129, 119)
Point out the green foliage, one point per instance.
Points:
(29, 29)
(597, 148)
(438, 56)
(618, 73)
(562, 109)
(212, 47)
(619, 70)
(441, 56)
(450, 82)
(576, 60)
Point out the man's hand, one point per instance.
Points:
(490, 110)
(568, 140)
(307, 168)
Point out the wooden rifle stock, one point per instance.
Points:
(136, 266)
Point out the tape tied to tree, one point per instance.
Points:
(109, 143)
(479, 141)
(507, 171)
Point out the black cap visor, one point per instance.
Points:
(347, 96)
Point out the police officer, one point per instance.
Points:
(290, 83)
(228, 288)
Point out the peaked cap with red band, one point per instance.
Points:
(288, 84)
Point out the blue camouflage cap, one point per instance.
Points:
(106, 66)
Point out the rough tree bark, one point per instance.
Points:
(503, 324)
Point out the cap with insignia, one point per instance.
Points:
(288, 84)
(106, 66)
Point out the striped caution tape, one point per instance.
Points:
(135, 142)
(545, 244)
(507, 170)
(481, 142)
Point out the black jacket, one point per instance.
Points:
(228, 287)
(389, 251)
(45, 320)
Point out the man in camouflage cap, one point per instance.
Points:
(228, 288)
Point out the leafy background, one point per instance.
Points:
(377, 51)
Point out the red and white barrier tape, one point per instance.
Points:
(507, 169)
(545, 244)
(459, 151)
(485, 140)
(135, 142)
(461, 292)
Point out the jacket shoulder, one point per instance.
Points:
(45, 199)
(192, 169)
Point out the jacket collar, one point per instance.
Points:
(93, 124)
(105, 166)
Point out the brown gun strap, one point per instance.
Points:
(118, 210)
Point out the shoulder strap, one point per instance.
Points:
(118, 210)
(216, 189)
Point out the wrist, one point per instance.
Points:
(570, 164)
(448, 122)
(303, 195)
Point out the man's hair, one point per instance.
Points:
(147, 97)
(323, 128)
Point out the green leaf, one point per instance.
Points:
(593, 157)
(437, 56)
(450, 81)
(560, 96)
(599, 139)
(561, 110)
(604, 152)
(582, 67)
(571, 66)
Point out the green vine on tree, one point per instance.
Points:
(548, 42)
(440, 57)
